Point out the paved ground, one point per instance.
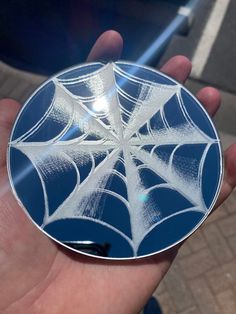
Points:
(210, 44)
(203, 277)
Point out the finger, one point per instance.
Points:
(178, 68)
(107, 47)
(8, 111)
(210, 98)
(229, 182)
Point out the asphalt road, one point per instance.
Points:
(210, 44)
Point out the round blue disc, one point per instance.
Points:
(115, 160)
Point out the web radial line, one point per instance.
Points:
(69, 159)
(65, 130)
(64, 146)
(114, 113)
(91, 182)
(191, 209)
(154, 100)
(86, 146)
(190, 121)
(105, 224)
(139, 80)
(50, 218)
(160, 168)
(37, 168)
(36, 126)
(136, 209)
(168, 138)
(77, 195)
(83, 110)
(137, 101)
(105, 87)
(80, 141)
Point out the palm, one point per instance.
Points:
(38, 276)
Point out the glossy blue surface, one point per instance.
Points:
(116, 155)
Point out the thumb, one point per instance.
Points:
(8, 111)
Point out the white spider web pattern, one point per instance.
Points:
(110, 136)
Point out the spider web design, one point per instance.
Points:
(123, 141)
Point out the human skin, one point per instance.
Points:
(39, 276)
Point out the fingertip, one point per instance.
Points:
(178, 67)
(230, 165)
(115, 41)
(108, 46)
(9, 101)
(8, 110)
(210, 92)
(113, 36)
(182, 60)
(210, 98)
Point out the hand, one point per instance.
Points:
(39, 276)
